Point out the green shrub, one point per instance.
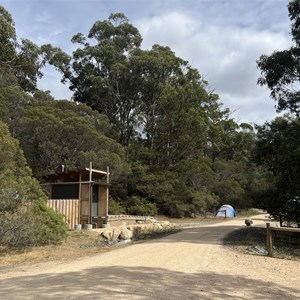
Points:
(51, 226)
(33, 225)
(25, 219)
(115, 207)
(140, 206)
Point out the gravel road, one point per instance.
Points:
(191, 264)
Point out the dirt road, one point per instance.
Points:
(192, 264)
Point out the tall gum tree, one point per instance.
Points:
(21, 62)
(280, 71)
(161, 110)
(277, 147)
(99, 71)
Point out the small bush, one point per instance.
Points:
(140, 206)
(115, 207)
(33, 225)
(51, 227)
(25, 219)
(247, 212)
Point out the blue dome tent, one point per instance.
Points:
(226, 211)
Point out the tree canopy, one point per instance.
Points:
(171, 146)
(22, 59)
(278, 144)
(25, 219)
(280, 71)
(278, 149)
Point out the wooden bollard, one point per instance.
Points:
(269, 240)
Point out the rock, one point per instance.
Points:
(166, 224)
(152, 220)
(296, 252)
(260, 250)
(157, 226)
(136, 230)
(111, 235)
(124, 242)
(125, 234)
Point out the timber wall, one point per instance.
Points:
(67, 207)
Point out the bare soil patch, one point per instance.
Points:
(82, 243)
(78, 244)
(191, 264)
(86, 243)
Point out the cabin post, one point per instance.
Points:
(79, 199)
(269, 240)
(107, 194)
(90, 193)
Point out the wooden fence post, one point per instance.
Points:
(269, 240)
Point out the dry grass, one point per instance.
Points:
(247, 239)
(86, 243)
(78, 244)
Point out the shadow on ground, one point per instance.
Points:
(198, 235)
(140, 283)
(246, 236)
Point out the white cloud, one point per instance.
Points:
(221, 38)
(225, 55)
(51, 81)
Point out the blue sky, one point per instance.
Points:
(221, 38)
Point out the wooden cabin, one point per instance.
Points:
(80, 195)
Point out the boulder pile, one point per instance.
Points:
(134, 232)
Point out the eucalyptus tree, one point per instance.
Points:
(277, 147)
(99, 71)
(162, 111)
(280, 71)
(179, 116)
(20, 61)
(173, 95)
(8, 38)
(278, 150)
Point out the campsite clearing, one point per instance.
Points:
(191, 264)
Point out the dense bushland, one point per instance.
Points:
(171, 145)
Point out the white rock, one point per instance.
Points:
(125, 234)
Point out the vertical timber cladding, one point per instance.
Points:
(67, 207)
(103, 194)
(84, 204)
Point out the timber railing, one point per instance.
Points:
(118, 220)
(129, 217)
(283, 230)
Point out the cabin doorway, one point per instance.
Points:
(95, 200)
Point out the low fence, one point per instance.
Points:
(281, 236)
(118, 220)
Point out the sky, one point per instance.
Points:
(223, 39)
